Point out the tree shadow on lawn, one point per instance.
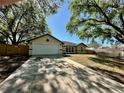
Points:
(111, 62)
(9, 64)
(113, 75)
(108, 61)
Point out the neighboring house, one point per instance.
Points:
(81, 48)
(73, 48)
(45, 45)
(69, 47)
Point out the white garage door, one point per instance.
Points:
(45, 49)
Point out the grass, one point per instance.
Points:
(114, 68)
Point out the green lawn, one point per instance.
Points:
(114, 68)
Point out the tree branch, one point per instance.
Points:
(96, 20)
(19, 21)
(21, 35)
(119, 39)
(104, 14)
(6, 35)
(108, 20)
(3, 34)
(122, 21)
(115, 27)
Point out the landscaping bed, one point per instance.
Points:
(8, 64)
(114, 68)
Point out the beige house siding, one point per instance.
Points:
(64, 49)
(81, 49)
(43, 40)
(76, 49)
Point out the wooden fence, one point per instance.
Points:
(8, 50)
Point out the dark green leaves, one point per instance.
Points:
(96, 19)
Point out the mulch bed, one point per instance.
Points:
(8, 64)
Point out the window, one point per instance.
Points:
(66, 48)
(81, 49)
(72, 49)
(69, 49)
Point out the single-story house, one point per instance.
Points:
(73, 48)
(49, 45)
(45, 45)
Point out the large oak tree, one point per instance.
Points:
(25, 20)
(102, 19)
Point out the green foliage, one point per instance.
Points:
(97, 19)
(2, 39)
(49, 6)
(25, 20)
(94, 44)
(43, 27)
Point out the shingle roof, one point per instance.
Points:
(69, 43)
(82, 44)
(72, 44)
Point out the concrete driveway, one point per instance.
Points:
(57, 75)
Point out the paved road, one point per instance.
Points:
(57, 75)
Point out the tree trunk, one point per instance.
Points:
(14, 41)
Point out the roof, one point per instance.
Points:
(73, 44)
(82, 44)
(69, 43)
(45, 35)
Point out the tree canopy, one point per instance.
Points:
(103, 19)
(25, 20)
(94, 44)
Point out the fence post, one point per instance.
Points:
(6, 49)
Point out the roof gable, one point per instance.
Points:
(82, 44)
(44, 36)
(73, 44)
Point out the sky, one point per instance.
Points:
(57, 24)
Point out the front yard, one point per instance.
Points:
(9, 64)
(114, 68)
(57, 75)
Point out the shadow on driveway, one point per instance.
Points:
(54, 75)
